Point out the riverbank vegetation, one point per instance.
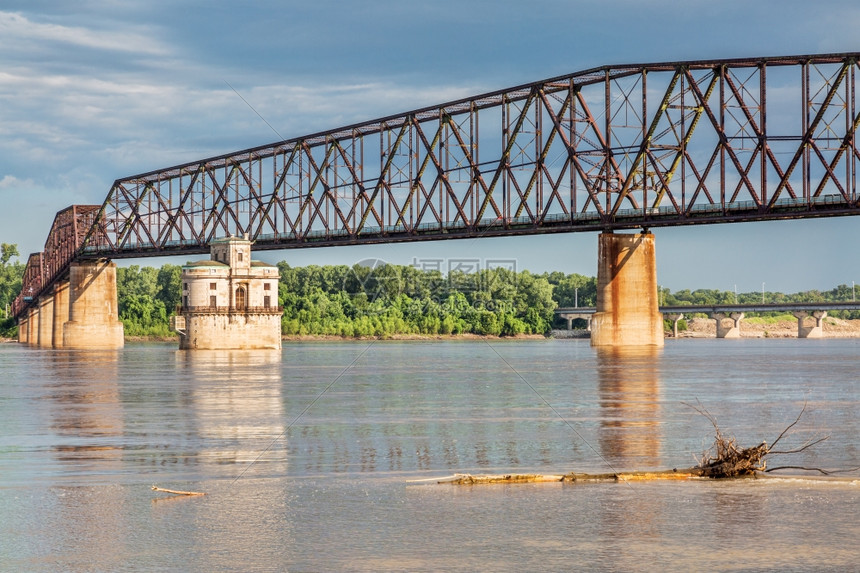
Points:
(11, 274)
(384, 300)
(376, 299)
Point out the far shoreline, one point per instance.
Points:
(698, 328)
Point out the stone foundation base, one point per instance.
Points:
(101, 336)
(231, 331)
(626, 330)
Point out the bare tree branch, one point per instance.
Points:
(801, 448)
(726, 459)
(824, 472)
(790, 426)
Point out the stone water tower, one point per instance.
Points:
(229, 302)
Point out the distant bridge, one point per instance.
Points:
(735, 313)
(605, 149)
(729, 308)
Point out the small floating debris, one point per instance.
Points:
(177, 492)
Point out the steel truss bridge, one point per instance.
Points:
(609, 148)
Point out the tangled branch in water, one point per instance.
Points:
(726, 459)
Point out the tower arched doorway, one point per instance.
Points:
(241, 300)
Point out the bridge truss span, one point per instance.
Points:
(607, 148)
(610, 148)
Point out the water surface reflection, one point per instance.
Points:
(235, 409)
(358, 421)
(629, 393)
(85, 411)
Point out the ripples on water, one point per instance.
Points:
(305, 455)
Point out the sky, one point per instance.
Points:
(94, 91)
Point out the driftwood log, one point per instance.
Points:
(469, 479)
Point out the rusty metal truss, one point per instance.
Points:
(609, 148)
(71, 226)
(30, 282)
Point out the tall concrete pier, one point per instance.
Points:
(23, 329)
(61, 311)
(33, 326)
(93, 317)
(45, 338)
(627, 301)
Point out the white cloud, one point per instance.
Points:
(15, 27)
(12, 182)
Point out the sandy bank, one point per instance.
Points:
(761, 328)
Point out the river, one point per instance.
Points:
(308, 457)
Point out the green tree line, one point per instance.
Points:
(11, 274)
(377, 300)
(842, 293)
(147, 297)
(386, 300)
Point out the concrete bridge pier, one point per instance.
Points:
(33, 326)
(733, 330)
(674, 317)
(815, 331)
(45, 338)
(93, 317)
(23, 327)
(61, 312)
(571, 316)
(628, 312)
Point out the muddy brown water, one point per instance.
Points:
(305, 456)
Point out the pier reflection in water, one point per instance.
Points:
(235, 409)
(85, 414)
(629, 393)
(85, 411)
(630, 437)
